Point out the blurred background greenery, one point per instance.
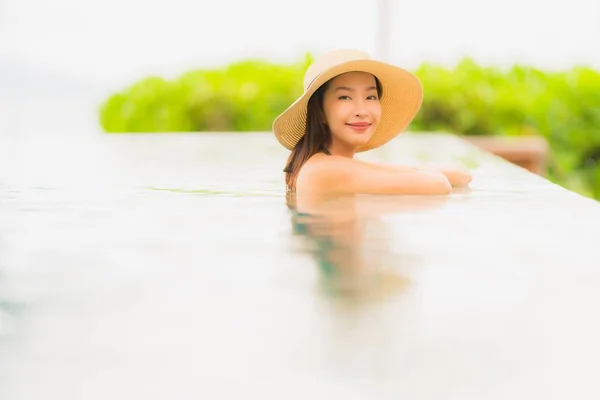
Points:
(467, 99)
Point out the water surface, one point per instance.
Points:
(170, 266)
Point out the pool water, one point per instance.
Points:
(171, 266)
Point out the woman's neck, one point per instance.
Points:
(342, 152)
(341, 149)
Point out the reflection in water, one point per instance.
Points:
(349, 242)
(366, 278)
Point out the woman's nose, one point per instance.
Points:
(361, 108)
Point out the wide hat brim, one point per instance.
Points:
(401, 100)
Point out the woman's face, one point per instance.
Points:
(352, 110)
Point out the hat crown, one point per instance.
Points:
(329, 60)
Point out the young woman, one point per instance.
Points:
(352, 103)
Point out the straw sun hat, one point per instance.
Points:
(400, 102)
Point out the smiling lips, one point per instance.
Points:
(359, 126)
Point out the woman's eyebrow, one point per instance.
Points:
(352, 89)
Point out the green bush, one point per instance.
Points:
(468, 99)
(564, 107)
(244, 96)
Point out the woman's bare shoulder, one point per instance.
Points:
(314, 173)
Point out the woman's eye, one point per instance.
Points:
(372, 97)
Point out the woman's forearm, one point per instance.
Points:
(456, 175)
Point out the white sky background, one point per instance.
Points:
(60, 59)
(116, 41)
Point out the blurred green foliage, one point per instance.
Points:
(563, 107)
(468, 99)
(245, 96)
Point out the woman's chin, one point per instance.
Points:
(357, 139)
(360, 140)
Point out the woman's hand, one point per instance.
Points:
(456, 174)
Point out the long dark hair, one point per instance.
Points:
(316, 138)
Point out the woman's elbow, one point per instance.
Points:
(437, 183)
(441, 186)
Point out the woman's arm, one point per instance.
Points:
(342, 175)
(457, 175)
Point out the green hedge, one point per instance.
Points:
(245, 96)
(564, 107)
(468, 99)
